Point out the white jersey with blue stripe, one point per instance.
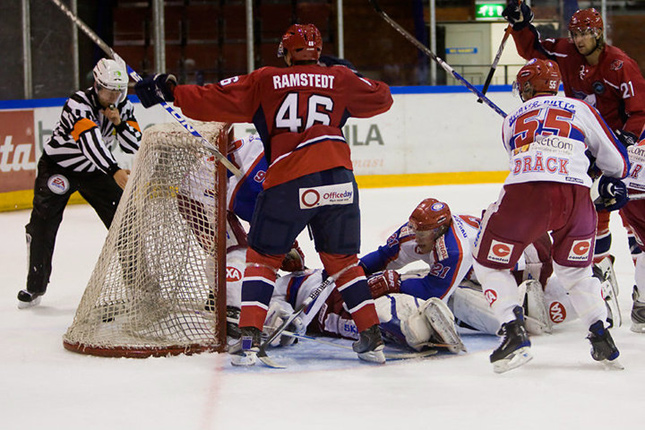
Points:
(450, 261)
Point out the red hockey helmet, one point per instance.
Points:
(543, 76)
(430, 214)
(302, 41)
(430, 220)
(585, 20)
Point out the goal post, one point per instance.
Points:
(159, 285)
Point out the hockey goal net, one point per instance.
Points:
(158, 287)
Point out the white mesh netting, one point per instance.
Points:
(158, 286)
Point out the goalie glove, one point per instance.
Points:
(279, 311)
(153, 90)
(384, 283)
(519, 15)
(612, 194)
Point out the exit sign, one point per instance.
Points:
(489, 10)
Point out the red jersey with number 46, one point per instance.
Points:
(614, 86)
(298, 111)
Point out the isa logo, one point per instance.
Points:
(491, 297)
(580, 250)
(500, 252)
(233, 274)
(557, 312)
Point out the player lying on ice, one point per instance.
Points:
(413, 309)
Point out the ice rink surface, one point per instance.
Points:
(46, 387)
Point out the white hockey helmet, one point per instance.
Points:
(111, 75)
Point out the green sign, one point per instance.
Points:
(489, 11)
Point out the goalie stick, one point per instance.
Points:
(390, 355)
(493, 67)
(262, 354)
(432, 55)
(134, 75)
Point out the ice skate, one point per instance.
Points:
(245, 351)
(515, 349)
(369, 346)
(603, 348)
(28, 300)
(638, 313)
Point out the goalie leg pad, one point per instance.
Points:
(536, 314)
(401, 321)
(442, 322)
(471, 307)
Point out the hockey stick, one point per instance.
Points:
(432, 55)
(312, 296)
(636, 196)
(135, 76)
(493, 66)
(388, 355)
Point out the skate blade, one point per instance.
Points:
(612, 365)
(516, 359)
(31, 304)
(376, 356)
(246, 358)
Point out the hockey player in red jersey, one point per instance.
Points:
(593, 71)
(547, 190)
(299, 112)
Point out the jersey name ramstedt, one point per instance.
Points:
(315, 80)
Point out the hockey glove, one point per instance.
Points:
(294, 261)
(152, 90)
(612, 194)
(387, 282)
(518, 15)
(626, 138)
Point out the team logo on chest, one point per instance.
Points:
(580, 250)
(598, 87)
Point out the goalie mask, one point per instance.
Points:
(303, 42)
(112, 76)
(430, 220)
(537, 76)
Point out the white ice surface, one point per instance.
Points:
(46, 387)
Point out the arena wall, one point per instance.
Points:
(432, 135)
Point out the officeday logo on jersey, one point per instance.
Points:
(500, 252)
(580, 250)
(17, 150)
(338, 194)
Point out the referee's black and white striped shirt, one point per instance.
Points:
(83, 138)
